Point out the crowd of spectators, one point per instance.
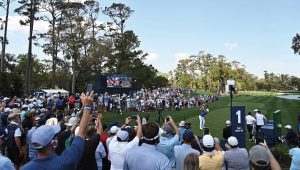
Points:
(38, 135)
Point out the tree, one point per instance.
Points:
(39, 76)
(220, 72)
(204, 64)
(182, 77)
(296, 44)
(5, 4)
(119, 13)
(144, 74)
(125, 53)
(72, 36)
(28, 8)
(92, 9)
(52, 7)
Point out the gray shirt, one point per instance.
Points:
(236, 158)
(146, 157)
(180, 153)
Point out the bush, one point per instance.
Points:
(281, 153)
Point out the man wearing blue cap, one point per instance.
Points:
(182, 150)
(5, 163)
(44, 140)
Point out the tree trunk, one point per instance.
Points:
(54, 53)
(29, 59)
(74, 68)
(4, 37)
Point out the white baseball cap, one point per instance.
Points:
(7, 110)
(288, 126)
(113, 129)
(5, 98)
(182, 123)
(71, 121)
(208, 141)
(232, 141)
(122, 134)
(228, 122)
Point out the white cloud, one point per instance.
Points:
(152, 57)
(14, 25)
(180, 56)
(231, 45)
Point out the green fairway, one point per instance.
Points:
(219, 112)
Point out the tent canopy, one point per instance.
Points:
(55, 91)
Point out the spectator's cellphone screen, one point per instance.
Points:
(133, 117)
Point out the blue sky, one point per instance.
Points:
(256, 33)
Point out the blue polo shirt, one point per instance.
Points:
(146, 157)
(202, 113)
(166, 146)
(69, 158)
(295, 154)
(32, 153)
(181, 130)
(180, 153)
(6, 163)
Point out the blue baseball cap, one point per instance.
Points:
(188, 135)
(44, 135)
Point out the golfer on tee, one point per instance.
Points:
(203, 112)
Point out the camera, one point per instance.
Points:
(187, 125)
(133, 117)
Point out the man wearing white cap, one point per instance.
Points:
(260, 120)
(235, 157)
(213, 156)
(44, 140)
(113, 130)
(291, 137)
(181, 129)
(227, 130)
(14, 147)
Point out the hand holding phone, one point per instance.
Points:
(133, 117)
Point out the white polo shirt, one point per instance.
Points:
(117, 151)
(250, 119)
(260, 119)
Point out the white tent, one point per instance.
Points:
(55, 91)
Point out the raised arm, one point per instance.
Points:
(139, 128)
(273, 162)
(99, 124)
(127, 120)
(87, 100)
(171, 121)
